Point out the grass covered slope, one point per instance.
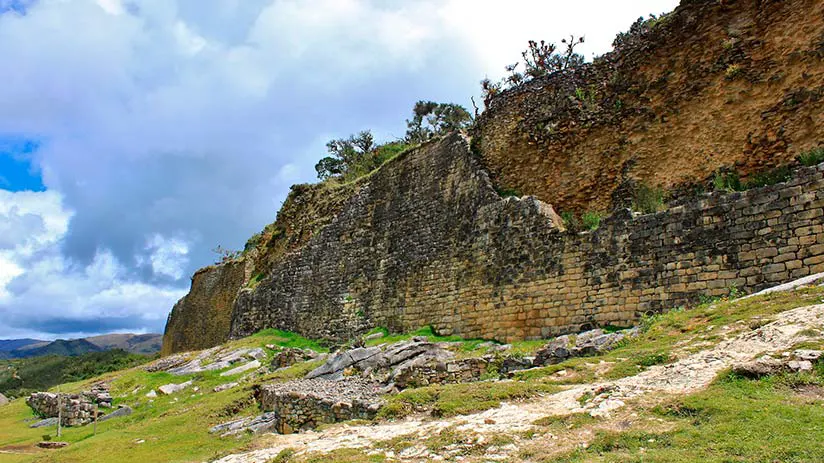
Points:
(778, 418)
(172, 428)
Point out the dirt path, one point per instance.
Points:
(687, 375)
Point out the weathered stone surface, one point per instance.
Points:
(808, 355)
(426, 240)
(263, 423)
(760, 367)
(203, 317)
(77, 409)
(123, 410)
(169, 389)
(583, 140)
(3, 400)
(401, 365)
(225, 386)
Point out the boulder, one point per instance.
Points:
(588, 343)
(290, 356)
(168, 389)
(3, 400)
(253, 365)
(123, 410)
(812, 356)
(44, 423)
(224, 387)
(763, 366)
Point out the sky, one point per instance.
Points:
(136, 136)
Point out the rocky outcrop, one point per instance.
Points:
(711, 85)
(3, 400)
(402, 365)
(798, 361)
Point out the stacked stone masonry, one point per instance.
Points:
(429, 242)
(306, 403)
(77, 409)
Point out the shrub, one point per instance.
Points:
(647, 199)
(812, 157)
(591, 220)
(769, 177)
(726, 181)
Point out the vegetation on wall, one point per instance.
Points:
(540, 59)
(358, 155)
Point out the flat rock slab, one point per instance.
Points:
(168, 389)
(52, 445)
(253, 365)
(44, 423)
(3, 400)
(122, 411)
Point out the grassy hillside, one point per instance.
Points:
(777, 418)
(20, 377)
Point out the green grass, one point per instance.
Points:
(647, 199)
(445, 400)
(280, 338)
(20, 377)
(734, 420)
(812, 157)
(591, 220)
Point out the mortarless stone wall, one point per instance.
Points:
(427, 241)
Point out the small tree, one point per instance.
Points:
(346, 153)
(431, 119)
(540, 59)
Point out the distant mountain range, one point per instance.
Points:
(134, 343)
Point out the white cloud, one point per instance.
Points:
(167, 127)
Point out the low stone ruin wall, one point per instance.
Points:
(77, 409)
(449, 372)
(306, 403)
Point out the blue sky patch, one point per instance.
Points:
(16, 170)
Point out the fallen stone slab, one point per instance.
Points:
(3, 400)
(253, 365)
(168, 389)
(263, 423)
(764, 366)
(44, 423)
(224, 387)
(52, 445)
(124, 410)
(290, 356)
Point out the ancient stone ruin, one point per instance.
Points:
(74, 409)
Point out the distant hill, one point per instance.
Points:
(132, 343)
(8, 345)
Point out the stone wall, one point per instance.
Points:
(77, 409)
(202, 318)
(715, 84)
(306, 403)
(428, 242)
